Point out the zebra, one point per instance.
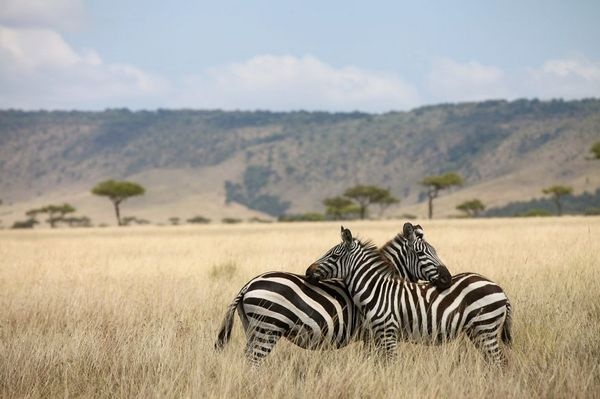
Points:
(280, 304)
(397, 309)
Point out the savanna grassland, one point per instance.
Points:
(133, 312)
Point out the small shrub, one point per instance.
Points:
(259, 220)
(198, 220)
(304, 217)
(534, 213)
(77, 221)
(131, 220)
(223, 270)
(25, 224)
(231, 220)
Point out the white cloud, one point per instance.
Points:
(452, 81)
(58, 14)
(38, 69)
(289, 82)
(568, 78)
(33, 48)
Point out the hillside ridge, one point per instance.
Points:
(289, 161)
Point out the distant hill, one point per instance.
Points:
(257, 163)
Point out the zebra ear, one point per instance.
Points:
(408, 232)
(419, 233)
(346, 235)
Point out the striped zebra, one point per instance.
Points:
(318, 315)
(397, 309)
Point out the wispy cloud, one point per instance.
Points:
(289, 82)
(453, 81)
(570, 78)
(38, 69)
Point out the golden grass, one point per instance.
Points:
(134, 312)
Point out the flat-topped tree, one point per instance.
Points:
(471, 207)
(56, 213)
(340, 207)
(117, 192)
(557, 192)
(437, 183)
(365, 196)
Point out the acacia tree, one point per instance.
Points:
(471, 207)
(339, 207)
(117, 192)
(437, 183)
(56, 213)
(367, 195)
(557, 192)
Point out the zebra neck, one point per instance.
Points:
(398, 263)
(395, 252)
(365, 279)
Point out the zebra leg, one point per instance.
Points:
(386, 344)
(485, 338)
(260, 344)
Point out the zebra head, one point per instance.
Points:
(333, 264)
(421, 258)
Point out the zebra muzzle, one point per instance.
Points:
(311, 274)
(445, 278)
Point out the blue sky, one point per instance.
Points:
(338, 56)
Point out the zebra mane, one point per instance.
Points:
(392, 241)
(370, 247)
(367, 244)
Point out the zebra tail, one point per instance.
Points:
(506, 334)
(227, 323)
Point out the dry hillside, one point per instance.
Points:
(270, 163)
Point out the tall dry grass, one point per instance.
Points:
(134, 313)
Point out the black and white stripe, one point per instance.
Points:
(417, 261)
(399, 309)
(316, 315)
